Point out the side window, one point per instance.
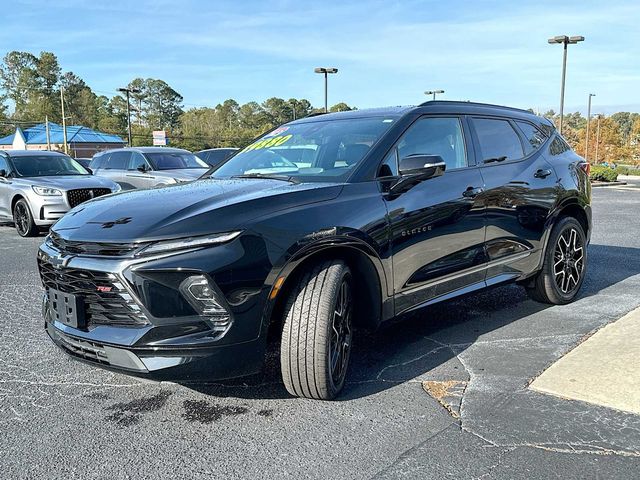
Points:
(534, 137)
(435, 136)
(4, 165)
(389, 167)
(137, 160)
(497, 139)
(118, 161)
(558, 146)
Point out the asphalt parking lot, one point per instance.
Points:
(64, 419)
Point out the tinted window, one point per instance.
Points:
(175, 160)
(313, 151)
(534, 137)
(4, 165)
(137, 160)
(435, 136)
(497, 139)
(214, 157)
(117, 161)
(558, 146)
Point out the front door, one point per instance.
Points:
(437, 228)
(135, 178)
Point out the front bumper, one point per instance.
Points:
(125, 332)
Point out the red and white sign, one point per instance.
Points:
(159, 137)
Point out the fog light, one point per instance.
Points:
(207, 300)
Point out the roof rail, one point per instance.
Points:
(468, 102)
(315, 114)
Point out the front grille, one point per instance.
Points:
(76, 197)
(91, 248)
(111, 304)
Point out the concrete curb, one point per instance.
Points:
(607, 184)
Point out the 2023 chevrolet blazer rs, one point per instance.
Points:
(326, 224)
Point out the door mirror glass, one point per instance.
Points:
(142, 168)
(427, 166)
(417, 168)
(3, 173)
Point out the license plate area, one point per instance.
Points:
(67, 308)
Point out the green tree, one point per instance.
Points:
(341, 107)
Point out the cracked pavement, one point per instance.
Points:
(443, 394)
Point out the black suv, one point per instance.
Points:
(388, 210)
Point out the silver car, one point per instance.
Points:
(146, 167)
(39, 187)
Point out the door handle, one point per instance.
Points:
(471, 192)
(542, 173)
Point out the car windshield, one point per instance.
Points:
(47, 166)
(317, 151)
(175, 160)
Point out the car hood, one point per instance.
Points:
(68, 182)
(185, 174)
(198, 208)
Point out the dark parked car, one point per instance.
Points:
(215, 156)
(395, 209)
(146, 167)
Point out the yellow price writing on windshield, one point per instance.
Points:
(268, 143)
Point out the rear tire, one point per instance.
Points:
(317, 333)
(23, 220)
(564, 267)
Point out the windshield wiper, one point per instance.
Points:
(285, 178)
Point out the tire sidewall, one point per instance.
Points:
(345, 276)
(554, 291)
(31, 226)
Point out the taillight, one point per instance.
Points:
(585, 167)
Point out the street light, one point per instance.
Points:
(128, 91)
(326, 71)
(565, 40)
(433, 92)
(586, 148)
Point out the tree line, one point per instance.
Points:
(33, 85)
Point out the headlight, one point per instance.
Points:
(46, 191)
(190, 242)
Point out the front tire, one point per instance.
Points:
(23, 220)
(317, 333)
(565, 264)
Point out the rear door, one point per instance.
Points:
(135, 178)
(520, 190)
(437, 227)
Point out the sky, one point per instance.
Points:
(387, 52)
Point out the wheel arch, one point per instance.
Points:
(367, 272)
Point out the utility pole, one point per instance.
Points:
(64, 120)
(46, 124)
(128, 91)
(586, 147)
(598, 138)
(565, 40)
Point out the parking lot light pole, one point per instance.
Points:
(128, 91)
(326, 71)
(586, 147)
(565, 40)
(433, 92)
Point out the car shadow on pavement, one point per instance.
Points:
(419, 344)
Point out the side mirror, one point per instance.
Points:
(3, 173)
(417, 168)
(142, 168)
